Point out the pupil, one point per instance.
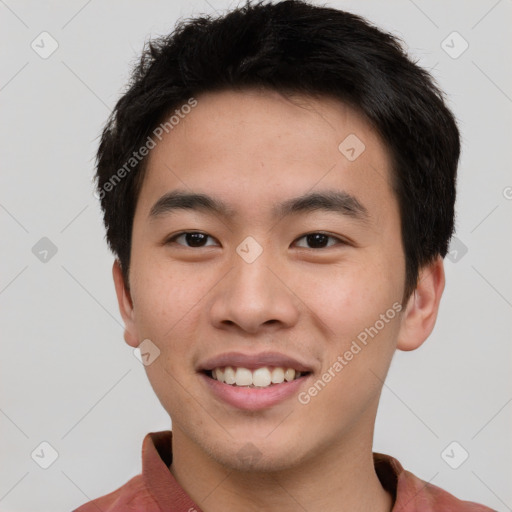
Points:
(317, 240)
(195, 239)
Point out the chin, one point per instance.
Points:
(257, 456)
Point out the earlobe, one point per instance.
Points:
(125, 304)
(420, 314)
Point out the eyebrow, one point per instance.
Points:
(339, 202)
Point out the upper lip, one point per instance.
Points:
(253, 361)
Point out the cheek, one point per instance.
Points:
(348, 298)
(164, 298)
(357, 354)
(360, 321)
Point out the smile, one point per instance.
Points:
(257, 378)
(254, 381)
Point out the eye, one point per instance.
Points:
(196, 239)
(191, 239)
(319, 240)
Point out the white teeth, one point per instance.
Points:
(289, 374)
(229, 375)
(277, 375)
(261, 377)
(243, 377)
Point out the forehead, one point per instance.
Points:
(257, 147)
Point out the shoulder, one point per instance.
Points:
(427, 497)
(133, 495)
(415, 495)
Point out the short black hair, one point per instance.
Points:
(292, 47)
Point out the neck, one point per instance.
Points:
(339, 477)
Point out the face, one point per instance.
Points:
(295, 262)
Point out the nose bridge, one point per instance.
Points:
(252, 278)
(252, 295)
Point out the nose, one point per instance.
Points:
(254, 297)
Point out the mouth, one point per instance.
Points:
(262, 377)
(253, 382)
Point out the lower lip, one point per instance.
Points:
(253, 399)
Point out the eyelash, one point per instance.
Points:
(183, 233)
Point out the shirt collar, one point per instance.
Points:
(156, 459)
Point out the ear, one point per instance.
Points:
(125, 303)
(420, 313)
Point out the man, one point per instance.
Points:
(278, 187)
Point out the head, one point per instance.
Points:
(311, 132)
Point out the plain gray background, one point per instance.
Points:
(68, 379)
